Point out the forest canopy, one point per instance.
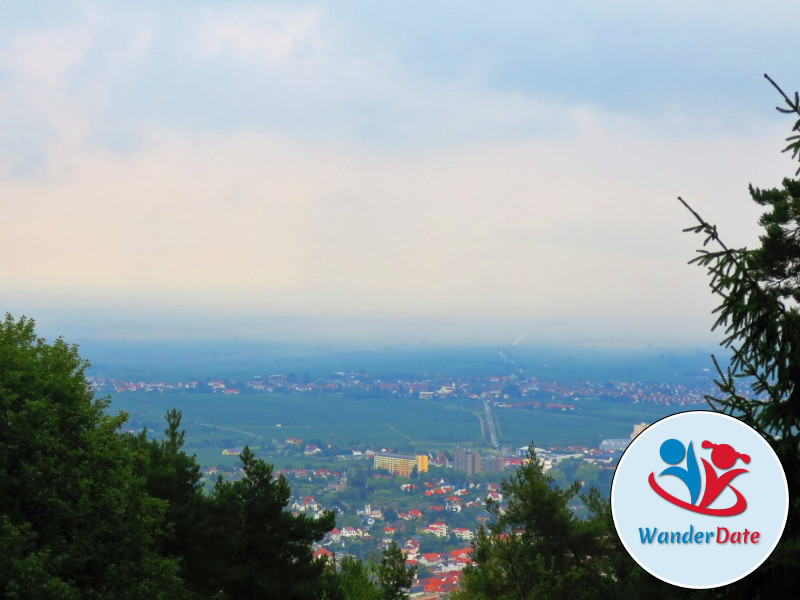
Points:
(89, 512)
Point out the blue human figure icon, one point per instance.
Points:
(672, 452)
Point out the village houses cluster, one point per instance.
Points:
(503, 391)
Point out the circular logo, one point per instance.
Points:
(699, 499)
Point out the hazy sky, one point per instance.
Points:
(446, 171)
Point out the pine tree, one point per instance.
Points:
(174, 477)
(394, 578)
(354, 580)
(536, 548)
(261, 550)
(759, 290)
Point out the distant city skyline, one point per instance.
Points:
(369, 172)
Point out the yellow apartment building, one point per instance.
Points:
(401, 464)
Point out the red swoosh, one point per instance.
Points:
(737, 508)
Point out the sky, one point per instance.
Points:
(446, 172)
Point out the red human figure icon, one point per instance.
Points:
(724, 457)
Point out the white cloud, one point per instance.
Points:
(249, 222)
(44, 57)
(269, 34)
(325, 176)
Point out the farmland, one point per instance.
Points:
(358, 413)
(214, 422)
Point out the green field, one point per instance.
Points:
(591, 422)
(214, 422)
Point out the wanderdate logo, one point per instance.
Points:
(713, 482)
(699, 499)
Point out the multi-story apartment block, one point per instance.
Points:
(401, 464)
(467, 461)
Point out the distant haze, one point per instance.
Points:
(370, 331)
(445, 172)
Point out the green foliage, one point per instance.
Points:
(356, 580)
(174, 477)
(536, 548)
(75, 519)
(389, 514)
(792, 107)
(262, 550)
(89, 513)
(239, 542)
(558, 478)
(588, 474)
(760, 290)
(569, 467)
(394, 578)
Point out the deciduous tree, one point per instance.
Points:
(75, 518)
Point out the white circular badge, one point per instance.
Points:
(699, 499)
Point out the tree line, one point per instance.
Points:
(88, 512)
